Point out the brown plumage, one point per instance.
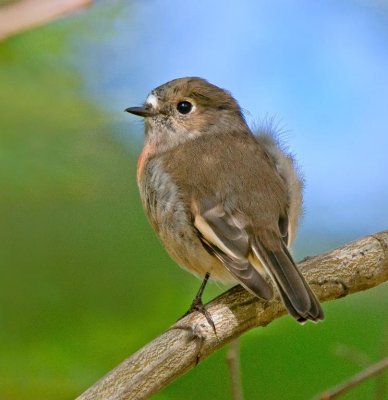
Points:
(221, 200)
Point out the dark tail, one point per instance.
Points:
(296, 294)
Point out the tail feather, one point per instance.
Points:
(294, 291)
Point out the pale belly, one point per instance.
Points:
(170, 218)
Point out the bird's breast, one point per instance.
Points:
(170, 216)
(147, 152)
(160, 195)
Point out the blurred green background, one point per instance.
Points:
(84, 281)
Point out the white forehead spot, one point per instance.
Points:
(152, 100)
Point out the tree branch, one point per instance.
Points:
(357, 266)
(21, 15)
(355, 380)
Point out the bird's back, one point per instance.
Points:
(254, 188)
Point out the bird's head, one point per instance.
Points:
(186, 108)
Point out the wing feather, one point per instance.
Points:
(229, 238)
(224, 238)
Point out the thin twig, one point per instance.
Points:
(233, 360)
(355, 380)
(357, 266)
(381, 380)
(352, 354)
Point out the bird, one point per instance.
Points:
(223, 200)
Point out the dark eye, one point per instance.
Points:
(184, 107)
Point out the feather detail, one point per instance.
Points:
(224, 237)
(296, 294)
(230, 238)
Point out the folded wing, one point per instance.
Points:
(230, 238)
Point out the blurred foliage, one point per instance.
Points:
(84, 282)
(4, 2)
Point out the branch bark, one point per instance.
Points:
(357, 266)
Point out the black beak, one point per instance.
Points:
(140, 111)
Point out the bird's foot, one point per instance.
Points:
(197, 305)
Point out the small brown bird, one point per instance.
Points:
(224, 202)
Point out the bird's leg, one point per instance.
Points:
(197, 304)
